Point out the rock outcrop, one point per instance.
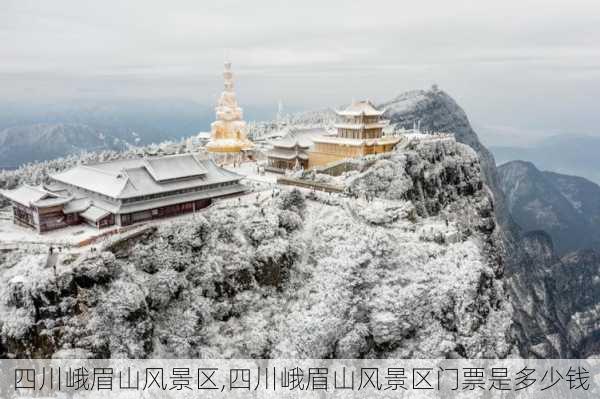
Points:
(434, 110)
(561, 296)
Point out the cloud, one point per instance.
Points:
(492, 56)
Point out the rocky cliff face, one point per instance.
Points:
(415, 271)
(562, 292)
(436, 111)
(566, 207)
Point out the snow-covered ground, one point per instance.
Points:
(11, 233)
(251, 172)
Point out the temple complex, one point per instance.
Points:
(290, 152)
(123, 192)
(359, 133)
(228, 131)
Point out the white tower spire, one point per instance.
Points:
(228, 77)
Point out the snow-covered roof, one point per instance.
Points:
(139, 177)
(174, 167)
(299, 136)
(360, 108)
(110, 183)
(93, 213)
(284, 153)
(275, 134)
(50, 201)
(77, 205)
(110, 206)
(27, 195)
(54, 188)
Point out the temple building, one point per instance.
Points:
(38, 208)
(291, 151)
(359, 133)
(123, 192)
(228, 131)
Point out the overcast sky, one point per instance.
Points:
(522, 69)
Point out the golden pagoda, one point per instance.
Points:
(228, 131)
(359, 133)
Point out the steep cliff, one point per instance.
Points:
(561, 316)
(535, 325)
(434, 110)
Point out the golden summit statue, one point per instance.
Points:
(228, 132)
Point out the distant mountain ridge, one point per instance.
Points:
(43, 141)
(30, 132)
(568, 154)
(567, 207)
